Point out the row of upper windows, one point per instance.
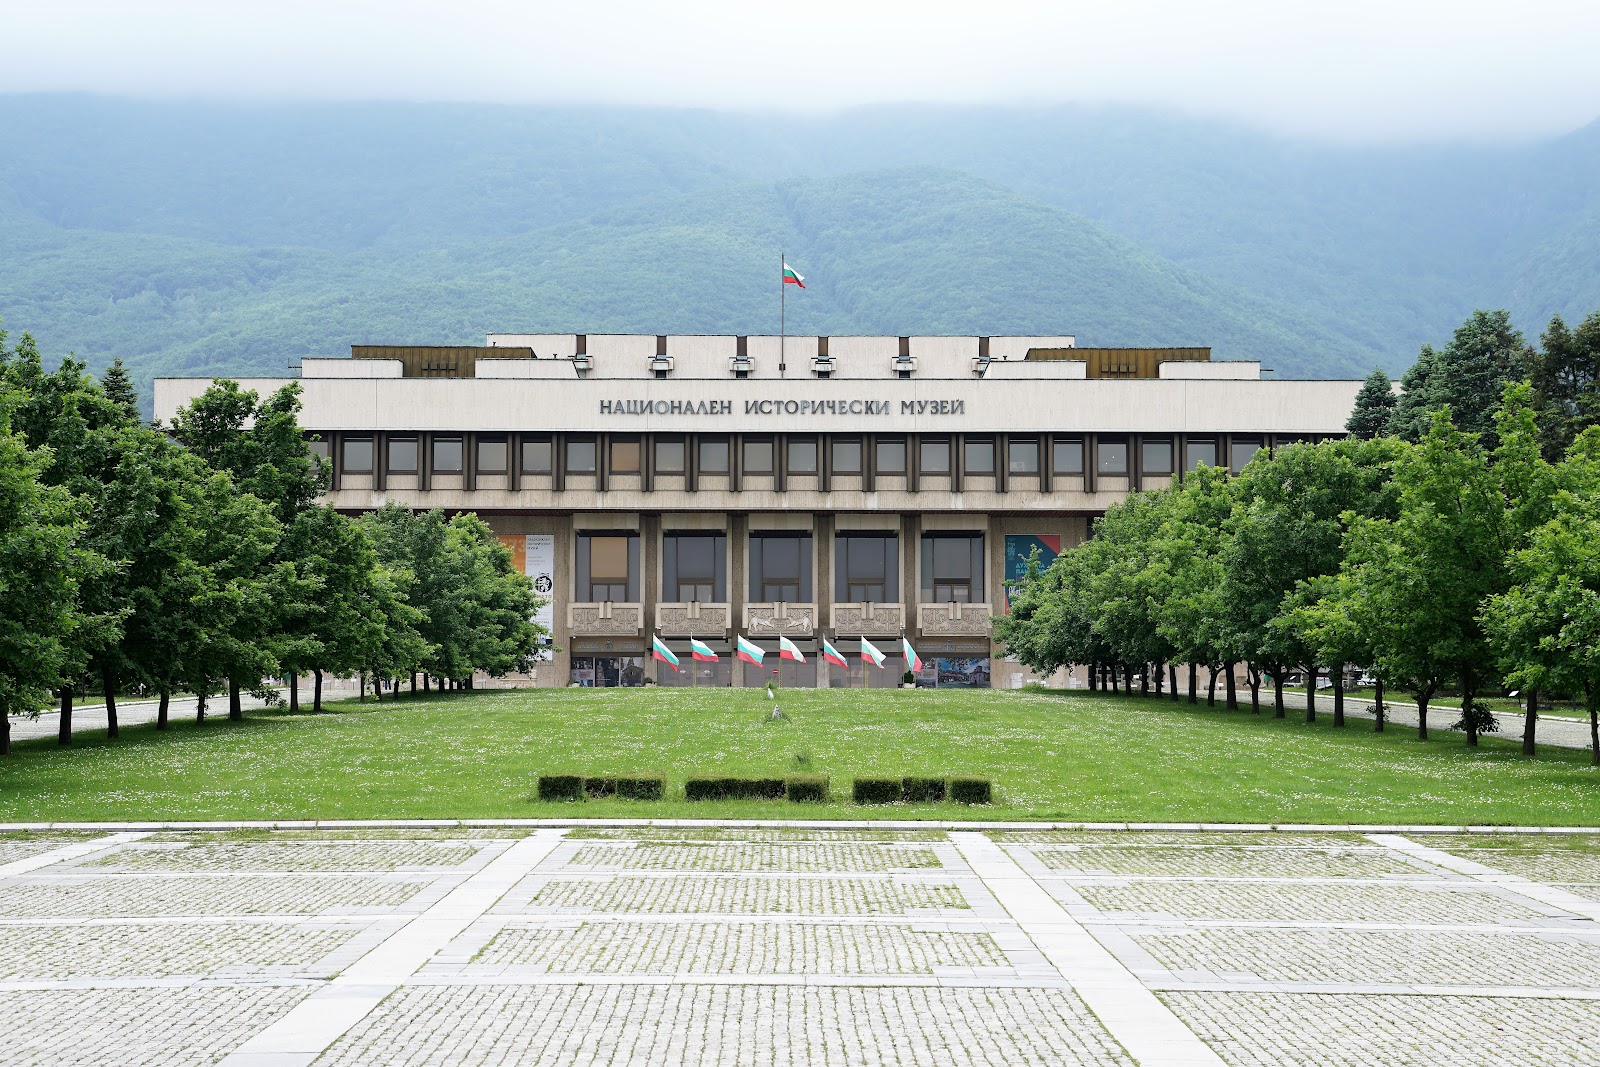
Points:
(1066, 456)
(866, 567)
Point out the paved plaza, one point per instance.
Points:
(736, 945)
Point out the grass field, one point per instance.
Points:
(1051, 755)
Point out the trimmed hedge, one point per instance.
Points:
(971, 790)
(877, 790)
(733, 789)
(560, 787)
(922, 790)
(807, 788)
(625, 788)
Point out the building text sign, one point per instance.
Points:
(781, 407)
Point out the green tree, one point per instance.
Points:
(1468, 376)
(119, 389)
(1374, 407)
(40, 558)
(1184, 572)
(1565, 374)
(1412, 408)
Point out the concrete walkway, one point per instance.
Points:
(129, 713)
(729, 944)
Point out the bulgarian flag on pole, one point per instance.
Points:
(870, 651)
(787, 650)
(701, 651)
(792, 276)
(913, 661)
(659, 649)
(749, 651)
(833, 655)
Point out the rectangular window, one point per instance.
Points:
(891, 456)
(536, 457)
(1067, 457)
(1198, 452)
(1240, 453)
(491, 457)
(952, 568)
(935, 457)
(1155, 457)
(694, 567)
(580, 457)
(713, 457)
(320, 449)
(1023, 458)
(669, 457)
(403, 455)
(803, 457)
(847, 457)
(866, 568)
(1111, 457)
(758, 457)
(979, 457)
(447, 455)
(608, 567)
(358, 455)
(624, 457)
(780, 568)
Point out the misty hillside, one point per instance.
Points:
(193, 238)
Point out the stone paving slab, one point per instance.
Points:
(1223, 861)
(1310, 901)
(724, 895)
(88, 951)
(209, 894)
(274, 856)
(727, 1026)
(1344, 1030)
(830, 858)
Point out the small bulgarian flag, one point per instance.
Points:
(787, 650)
(870, 651)
(792, 276)
(659, 649)
(701, 651)
(749, 651)
(913, 661)
(833, 655)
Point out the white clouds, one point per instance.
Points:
(1357, 69)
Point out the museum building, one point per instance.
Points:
(811, 488)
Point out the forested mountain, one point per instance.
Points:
(190, 237)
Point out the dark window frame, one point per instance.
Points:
(713, 585)
(865, 546)
(608, 585)
(763, 584)
(960, 585)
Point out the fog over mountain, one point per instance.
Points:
(195, 237)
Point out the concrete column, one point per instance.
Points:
(650, 580)
(822, 581)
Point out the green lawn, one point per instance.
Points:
(1052, 755)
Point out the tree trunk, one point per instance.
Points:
(316, 691)
(1193, 670)
(377, 688)
(1469, 697)
(426, 679)
(1530, 722)
(1338, 694)
(161, 710)
(64, 731)
(294, 692)
(1379, 712)
(1116, 680)
(109, 685)
(1161, 678)
(413, 683)
(235, 709)
(1311, 692)
(1422, 715)
(1172, 679)
(1233, 689)
(1277, 694)
(1594, 725)
(1253, 677)
(200, 703)
(361, 688)
(1094, 677)
(1211, 686)
(5, 733)
(1144, 681)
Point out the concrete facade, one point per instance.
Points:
(964, 450)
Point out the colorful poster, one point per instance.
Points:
(540, 565)
(962, 673)
(1019, 547)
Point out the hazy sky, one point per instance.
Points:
(1353, 69)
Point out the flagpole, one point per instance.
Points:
(783, 292)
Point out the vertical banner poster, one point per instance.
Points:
(540, 565)
(1018, 548)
